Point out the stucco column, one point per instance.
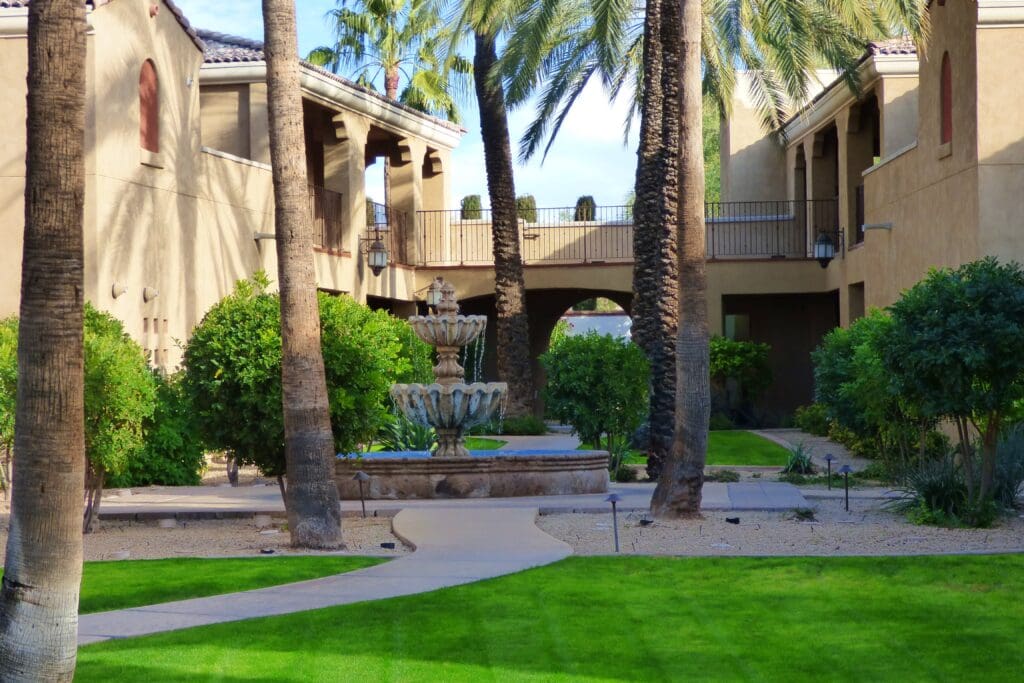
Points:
(345, 172)
(259, 127)
(433, 228)
(846, 174)
(808, 145)
(407, 188)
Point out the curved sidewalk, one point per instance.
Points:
(453, 546)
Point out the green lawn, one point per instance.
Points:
(133, 583)
(630, 619)
(479, 443)
(744, 449)
(734, 447)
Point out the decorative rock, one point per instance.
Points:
(262, 521)
(167, 523)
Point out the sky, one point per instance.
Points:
(588, 157)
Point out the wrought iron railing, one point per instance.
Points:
(735, 230)
(327, 211)
(600, 234)
(391, 227)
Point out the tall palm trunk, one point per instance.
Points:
(42, 573)
(655, 297)
(314, 514)
(679, 487)
(391, 92)
(513, 347)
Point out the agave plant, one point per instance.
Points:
(402, 434)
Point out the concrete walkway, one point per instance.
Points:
(553, 442)
(452, 548)
(190, 501)
(820, 446)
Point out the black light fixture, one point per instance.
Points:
(361, 476)
(614, 499)
(845, 470)
(377, 256)
(829, 458)
(824, 250)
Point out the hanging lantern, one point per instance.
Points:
(824, 250)
(433, 297)
(377, 257)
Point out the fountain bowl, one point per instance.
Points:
(451, 331)
(452, 406)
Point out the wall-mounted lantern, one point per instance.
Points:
(377, 256)
(824, 250)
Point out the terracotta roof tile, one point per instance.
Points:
(894, 46)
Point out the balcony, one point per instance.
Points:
(327, 211)
(390, 226)
(784, 229)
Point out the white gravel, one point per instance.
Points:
(117, 540)
(865, 530)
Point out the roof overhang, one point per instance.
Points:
(823, 108)
(999, 13)
(331, 91)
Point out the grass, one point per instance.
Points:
(630, 619)
(732, 448)
(479, 443)
(133, 583)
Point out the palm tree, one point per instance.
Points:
(777, 41)
(487, 21)
(396, 39)
(42, 573)
(314, 514)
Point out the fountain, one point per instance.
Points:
(451, 406)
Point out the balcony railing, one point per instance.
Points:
(735, 230)
(327, 211)
(391, 227)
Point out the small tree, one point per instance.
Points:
(585, 209)
(955, 351)
(526, 208)
(744, 362)
(472, 209)
(597, 384)
(233, 373)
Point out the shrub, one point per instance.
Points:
(399, 433)
(799, 461)
(559, 333)
(173, 454)
(624, 474)
(722, 476)
(935, 493)
(742, 361)
(8, 392)
(955, 353)
(472, 209)
(720, 422)
(1010, 467)
(526, 208)
(597, 384)
(233, 372)
(812, 419)
(585, 210)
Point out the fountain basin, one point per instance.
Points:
(485, 474)
(452, 331)
(450, 406)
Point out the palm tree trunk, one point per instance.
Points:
(513, 333)
(391, 92)
(43, 570)
(655, 272)
(314, 514)
(679, 487)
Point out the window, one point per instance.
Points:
(149, 108)
(947, 100)
(737, 327)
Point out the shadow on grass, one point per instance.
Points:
(629, 619)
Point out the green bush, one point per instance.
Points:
(585, 210)
(720, 422)
(8, 392)
(399, 433)
(559, 333)
(1010, 467)
(598, 384)
(722, 476)
(799, 461)
(812, 419)
(233, 372)
(173, 454)
(955, 353)
(526, 208)
(742, 361)
(472, 209)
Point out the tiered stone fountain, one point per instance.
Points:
(451, 406)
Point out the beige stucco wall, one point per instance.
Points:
(897, 101)
(14, 57)
(225, 118)
(753, 164)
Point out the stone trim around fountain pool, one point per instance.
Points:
(511, 474)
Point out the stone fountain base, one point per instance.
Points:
(406, 475)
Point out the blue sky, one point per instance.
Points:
(587, 158)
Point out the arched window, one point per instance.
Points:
(149, 108)
(947, 100)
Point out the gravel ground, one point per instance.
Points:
(865, 530)
(116, 540)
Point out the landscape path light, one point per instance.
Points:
(828, 459)
(361, 476)
(845, 471)
(614, 499)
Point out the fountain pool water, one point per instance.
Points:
(451, 406)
